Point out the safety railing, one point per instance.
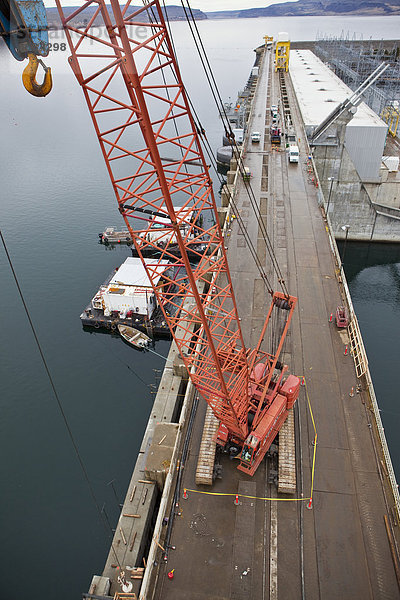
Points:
(353, 318)
(357, 348)
(360, 346)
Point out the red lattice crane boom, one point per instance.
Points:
(150, 143)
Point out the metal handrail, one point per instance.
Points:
(370, 386)
(368, 378)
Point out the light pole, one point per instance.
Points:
(331, 179)
(346, 229)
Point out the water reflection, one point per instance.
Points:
(373, 275)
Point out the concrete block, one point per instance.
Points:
(179, 367)
(230, 177)
(160, 452)
(226, 194)
(222, 215)
(100, 586)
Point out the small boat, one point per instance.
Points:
(135, 338)
(112, 236)
(342, 317)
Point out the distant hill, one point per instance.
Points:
(175, 13)
(301, 8)
(313, 8)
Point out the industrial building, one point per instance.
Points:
(351, 166)
(319, 91)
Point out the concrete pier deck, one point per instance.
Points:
(280, 549)
(269, 545)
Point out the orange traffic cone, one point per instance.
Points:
(331, 318)
(185, 494)
(351, 393)
(237, 500)
(346, 350)
(309, 505)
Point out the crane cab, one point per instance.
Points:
(258, 441)
(250, 449)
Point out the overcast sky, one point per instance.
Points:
(204, 5)
(213, 5)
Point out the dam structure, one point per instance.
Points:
(359, 179)
(320, 517)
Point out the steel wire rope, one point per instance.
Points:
(168, 95)
(57, 398)
(242, 227)
(266, 237)
(246, 235)
(122, 361)
(248, 187)
(234, 148)
(231, 138)
(201, 132)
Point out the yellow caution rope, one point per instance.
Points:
(273, 499)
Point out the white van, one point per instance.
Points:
(256, 137)
(239, 135)
(293, 154)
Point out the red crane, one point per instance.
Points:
(133, 88)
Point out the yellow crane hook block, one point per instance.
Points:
(29, 77)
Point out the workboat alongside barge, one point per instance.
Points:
(160, 238)
(127, 298)
(134, 337)
(111, 235)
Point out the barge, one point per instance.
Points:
(127, 298)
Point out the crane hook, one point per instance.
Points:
(29, 77)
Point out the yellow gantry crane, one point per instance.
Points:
(268, 40)
(391, 115)
(282, 50)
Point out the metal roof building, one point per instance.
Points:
(319, 91)
(133, 273)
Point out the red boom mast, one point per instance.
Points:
(151, 147)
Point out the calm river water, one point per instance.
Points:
(55, 198)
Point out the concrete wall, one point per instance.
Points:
(370, 210)
(388, 193)
(365, 145)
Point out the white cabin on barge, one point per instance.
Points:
(129, 292)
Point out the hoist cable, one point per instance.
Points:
(230, 136)
(55, 393)
(210, 154)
